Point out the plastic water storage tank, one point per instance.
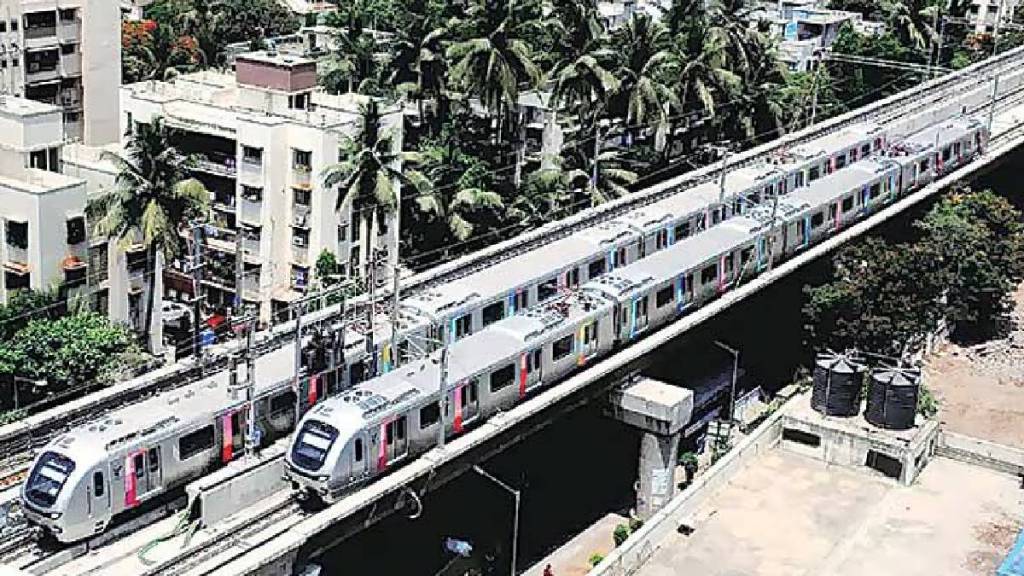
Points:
(837, 385)
(892, 398)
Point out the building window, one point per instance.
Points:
(302, 160)
(252, 193)
(76, 230)
(301, 196)
(67, 49)
(252, 155)
(300, 237)
(67, 14)
(300, 277)
(16, 281)
(299, 101)
(17, 234)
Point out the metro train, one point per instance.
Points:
(84, 480)
(367, 430)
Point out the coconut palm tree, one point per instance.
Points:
(369, 177)
(704, 77)
(646, 68)
(496, 63)
(154, 196)
(910, 21)
(461, 189)
(599, 179)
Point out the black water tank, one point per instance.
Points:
(837, 384)
(892, 398)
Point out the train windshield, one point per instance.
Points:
(312, 443)
(48, 478)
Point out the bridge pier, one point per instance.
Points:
(660, 411)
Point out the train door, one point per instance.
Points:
(232, 435)
(640, 313)
(685, 287)
(467, 404)
(588, 340)
(99, 498)
(397, 438)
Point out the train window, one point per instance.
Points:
(493, 312)
(400, 428)
(853, 155)
(768, 191)
(462, 326)
(702, 222)
(716, 216)
(709, 274)
(359, 447)
(641, 247)
(547, 289)
(562, 347)
(97, 484)
(664, 296)
(840, 161)
(429, 415)
(195, 442)
(813, 174)
(876, 188)
(847, 203)
(470, 391)
(798, 180)
(154, 459)
(865, 150)
(283, 402)
(596, 268)
(817, 219)
(746, 254)
(832, 209)
(924, 165)
(503, 377)
(522, 299)
(590, 333)
(682, 231)
(573, 278)
(139, 465)
(878, 143)
(661, 240)
(946, 153)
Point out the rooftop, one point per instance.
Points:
(22, 107)
(35, 181)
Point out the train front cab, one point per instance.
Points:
(69, 500)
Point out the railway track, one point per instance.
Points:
(20, 440)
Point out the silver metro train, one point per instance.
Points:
(84, 480)
(362, 433)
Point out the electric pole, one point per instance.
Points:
(442, 397)
(394, 319)
(197, 278)
(239, 272)
(252, 436)
(992, 106)
(299, 306)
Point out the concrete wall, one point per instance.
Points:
(975, 451)
(640, 546)
(101, 70)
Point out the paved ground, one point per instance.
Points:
(787, 515)
(981, 389)
(573, 557)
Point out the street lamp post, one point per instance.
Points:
(515, 519)
(735, 372)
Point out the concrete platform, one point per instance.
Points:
(789, 515)
(852, 441)
(573, 557)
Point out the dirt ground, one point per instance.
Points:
(980, 389)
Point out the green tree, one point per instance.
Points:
(27, 305)
(153, 198)
(646, 69)
(460, 187)
(78, 349)
(326, 266)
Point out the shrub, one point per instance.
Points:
(595, 559)
(620, 534)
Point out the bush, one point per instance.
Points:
(620, 534)
(927, 406)
(595, 559)
(635, 524)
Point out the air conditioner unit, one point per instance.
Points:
(299, 241)
(299, 219)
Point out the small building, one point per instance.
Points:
(983, 14)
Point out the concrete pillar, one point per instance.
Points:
(661, 411)
(656, 483)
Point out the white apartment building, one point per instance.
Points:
(46, 239)
(264, 136)
(983, 14)
(68, 53)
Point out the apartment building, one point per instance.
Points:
(984, 14)
(47, 242)
(263, 136)
(67, 53)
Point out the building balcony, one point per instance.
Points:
(252, 170)
(251, 247)
(300, 254)
(217, 163)
(71, 65)
(35, 73)
(17, 255)
(68, 32)
(251, 211)
(40, 37)
(74, 270)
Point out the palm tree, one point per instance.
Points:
(494, 65)
(154, 196)
(705, 74)
(601, 179)
(369, 177)
(462, 190)
(544, 197)
(645, 70)
(909, 21)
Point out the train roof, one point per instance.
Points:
(836, 184)
(501, 278)
(954, 129)
(836, 141)
(193, 402)
(684, 255)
